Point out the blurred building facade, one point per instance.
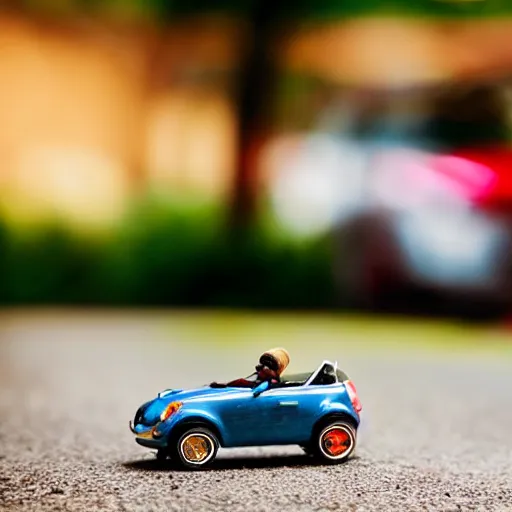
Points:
(93, 110)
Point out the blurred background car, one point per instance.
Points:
(432, 230)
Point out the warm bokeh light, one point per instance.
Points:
(203, 144)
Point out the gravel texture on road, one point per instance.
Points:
(436, 432)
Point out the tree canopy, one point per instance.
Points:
(165, 10)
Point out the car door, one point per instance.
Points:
(293, 412)
(282, 409)
(247, 419)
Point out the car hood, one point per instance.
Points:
(149, 413)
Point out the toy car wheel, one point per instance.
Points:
(335, 442)
(196, 448)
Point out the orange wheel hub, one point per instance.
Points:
(336, 442)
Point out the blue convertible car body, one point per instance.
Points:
(295, 411)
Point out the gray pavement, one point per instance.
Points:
(436, 432)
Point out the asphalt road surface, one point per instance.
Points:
(436, 432)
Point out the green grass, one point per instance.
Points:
(236, 339)
(355, 334)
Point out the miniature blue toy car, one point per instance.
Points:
(318, 411)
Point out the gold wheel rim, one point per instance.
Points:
(196, 448)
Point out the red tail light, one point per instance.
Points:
(352, 393)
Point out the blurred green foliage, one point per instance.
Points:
(165, 255)
(301, 9)
(332, 9)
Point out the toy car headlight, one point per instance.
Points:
(170, 410)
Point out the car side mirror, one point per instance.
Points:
(259, 389)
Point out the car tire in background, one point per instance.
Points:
(367, 265)
(195, 448)
(334, 442)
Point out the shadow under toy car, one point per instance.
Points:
(318, 411)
